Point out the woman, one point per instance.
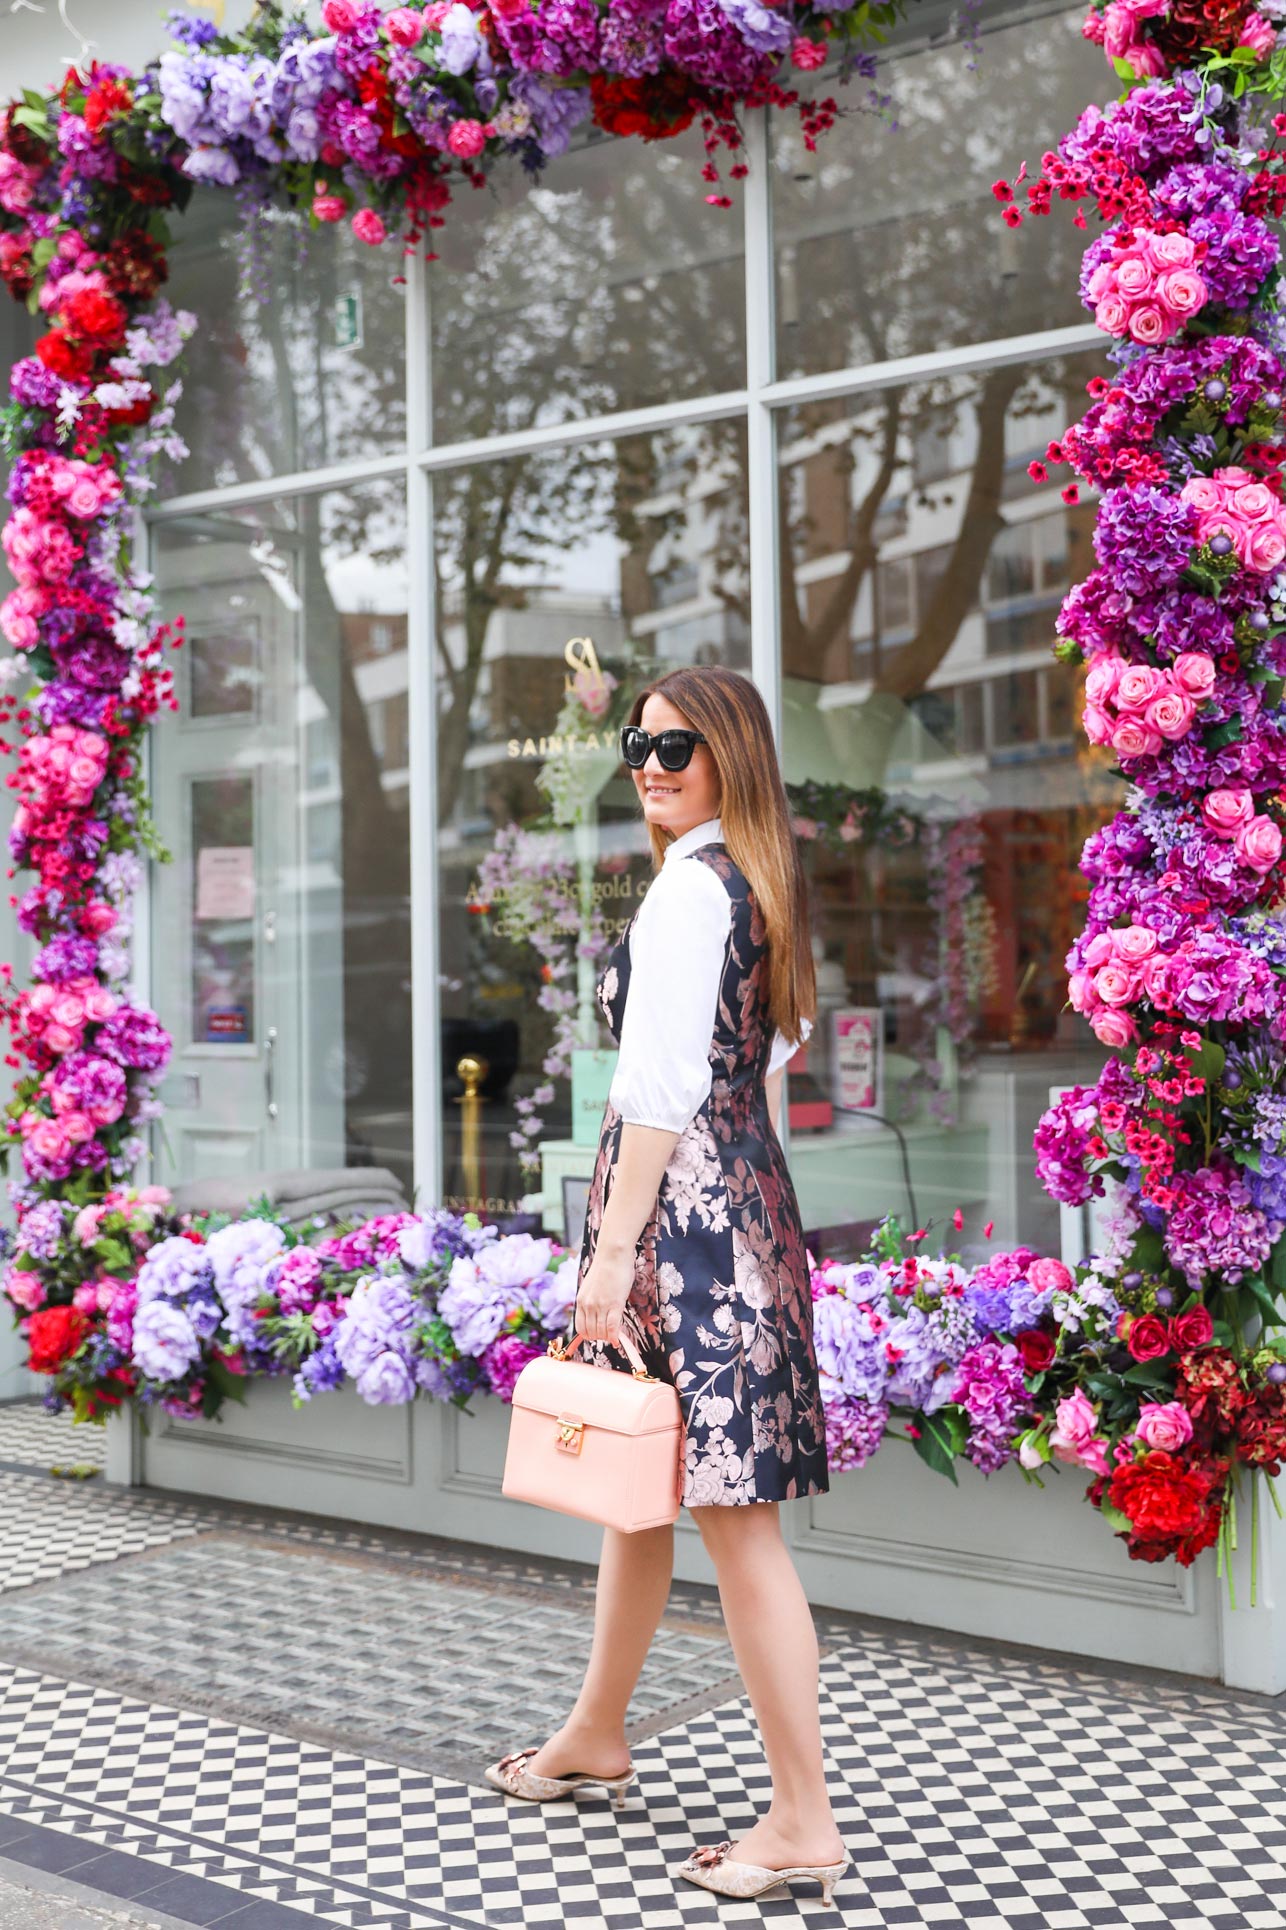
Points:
(693, 1238)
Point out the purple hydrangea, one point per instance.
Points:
(989, 1386)
(1144, 537)
(165, 1343)
(134, 1036)
(1212, 1226)
(854, 1431)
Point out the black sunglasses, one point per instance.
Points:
(673, 748)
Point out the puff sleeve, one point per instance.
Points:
(677, 952)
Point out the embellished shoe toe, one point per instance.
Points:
(513, 1778)
(714, 1869)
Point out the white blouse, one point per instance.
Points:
(678, 945)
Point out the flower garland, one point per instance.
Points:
(1181, 968)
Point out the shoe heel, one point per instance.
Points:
(618, 1792)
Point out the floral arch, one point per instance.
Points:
(1156, 1365)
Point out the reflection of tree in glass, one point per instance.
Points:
(889, 241)
(853, 474)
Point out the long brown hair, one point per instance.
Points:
(727, 709)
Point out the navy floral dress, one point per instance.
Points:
(720, 1304)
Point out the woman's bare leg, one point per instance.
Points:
(633, 1587)
(771, 1629)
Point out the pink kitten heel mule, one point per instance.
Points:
(513, 1778)
(713, 1869)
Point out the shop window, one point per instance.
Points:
(549, 626)
(313, 375)
(921, 263)
(942, 878)
(639, 298)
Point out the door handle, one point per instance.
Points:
(269, 1071)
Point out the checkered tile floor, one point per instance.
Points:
(970, 1791)
(973, 1788)
(31, 1438)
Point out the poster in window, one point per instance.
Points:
(857, 1060)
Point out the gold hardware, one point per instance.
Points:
(472, 1071)
(570, 1430)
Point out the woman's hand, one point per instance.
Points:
(600, 1304)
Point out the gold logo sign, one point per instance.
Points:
(581, 659)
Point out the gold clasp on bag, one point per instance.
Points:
(571, 1429)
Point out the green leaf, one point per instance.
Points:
(1264, 1298)
(1115, 1519)
(1224, 734)
(34, 119)
(933, 1444)
(1148, 1251)
(231, 1387)
(1208, 1062)
(1277, 1266)
(1146, 1373)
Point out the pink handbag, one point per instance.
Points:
(593, 1442)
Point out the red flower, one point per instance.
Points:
(1191, 1330)
(105, 98)
(654, 107)
(1261, 1429)
(1147, 1338)
(92, 316)
(1035, 1348)
(1210, 1386)
(1174, 1508)
(58, 355)
(53, 1335)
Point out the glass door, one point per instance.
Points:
(226, 786)
(282, 928)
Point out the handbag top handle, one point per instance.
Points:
(565, 1348)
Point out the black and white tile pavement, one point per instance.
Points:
(971, 1791)
(1007, 1791)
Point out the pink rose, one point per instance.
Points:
(1048, 1275)
(1170, 250)
(1113, 1028)
(368, 227)
(1134, 277)
(1254, 502)
(1145, 60)
(1202, 493)
(1183, 291)
(1259, 844)
(467, 139)
(329, 207)
(86, 773)
(69, 1010)
(86, 1223)
(1118, 31)
(1080, 991)
(1138, 684)
(78, 1126)
(1100, 949)
(1265, 548)
(1116, 985)
(100, 1004)
(1164, 1424)
(1075, 1437)
(808, 54)
(59, 1039)
(1171, 714)
(1150, 324)
(1136, 943)
(1158, 979)
(1258, 34)
(1097, 723)
(26, 1290)
(1112, 315)
(1102, 677)
(404, 28)
(1195, 673)
(1133, 738)
(340, 16)
(86, 1296)
(49, 1140)
(1226, 811)
(83, 500)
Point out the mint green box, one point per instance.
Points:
(592, 1069)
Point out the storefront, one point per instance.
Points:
(434, 533)
(433, 536)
